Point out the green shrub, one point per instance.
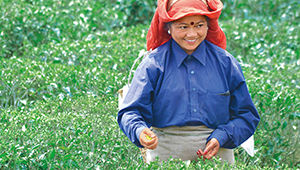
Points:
(269, 54)
(97, 65)
(62, 62)
(279, 10)
(136, 12)
(77, 133)
(32, 23)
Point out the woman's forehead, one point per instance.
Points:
(191, 19)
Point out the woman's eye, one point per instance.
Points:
(183, 27)
(201, 25)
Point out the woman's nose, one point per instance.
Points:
(191, 32)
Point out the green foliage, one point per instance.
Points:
(137, 11)
(268, 51)
(64, 134)
(62, 62)
(57, 70)
(32, 22)
(278, 10)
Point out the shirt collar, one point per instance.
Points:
(180, 54)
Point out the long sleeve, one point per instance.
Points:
(137, 106)
(244, 118)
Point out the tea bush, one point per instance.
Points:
(77, 133)
(268, 50)
(95, 65)
(62, 62)
(64, 134)
(32, 22)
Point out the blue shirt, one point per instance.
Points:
(172, 88)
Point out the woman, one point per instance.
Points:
(191, 91)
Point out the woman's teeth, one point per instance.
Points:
(191, 40)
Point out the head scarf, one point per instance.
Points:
(176, 9)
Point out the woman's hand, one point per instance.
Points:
(146, 141)
(211, 149)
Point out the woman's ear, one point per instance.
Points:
(168, 27)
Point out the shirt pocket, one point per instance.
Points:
(216, 108)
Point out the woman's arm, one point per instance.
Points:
(136, 113)
(244, 117)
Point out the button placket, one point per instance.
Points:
(191, 63)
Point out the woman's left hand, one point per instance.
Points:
(211, 149)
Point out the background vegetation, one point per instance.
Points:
(62, 62)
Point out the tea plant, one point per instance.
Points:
(62, 63)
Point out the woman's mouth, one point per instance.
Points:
(191, 41)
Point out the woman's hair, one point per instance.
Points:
(207, 20)
(168, 25)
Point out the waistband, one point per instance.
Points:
(184, 130)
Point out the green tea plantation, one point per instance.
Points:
(62, 63)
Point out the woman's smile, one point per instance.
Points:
(191, 41)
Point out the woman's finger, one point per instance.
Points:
(148, 132)
(148, 139)
(200, 154)
(211, 149)
(154, 145)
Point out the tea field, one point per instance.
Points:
(62, 63)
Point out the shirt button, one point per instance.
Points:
(195, 110)
(192, 72)
(194, 89)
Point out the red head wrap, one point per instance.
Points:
(158, 35)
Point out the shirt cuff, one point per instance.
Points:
(220, 135)
(138, 132)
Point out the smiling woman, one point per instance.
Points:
(187, 34)
(189, 90)
(178, 9)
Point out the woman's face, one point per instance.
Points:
(189, 32)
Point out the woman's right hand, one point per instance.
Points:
(149, 144)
